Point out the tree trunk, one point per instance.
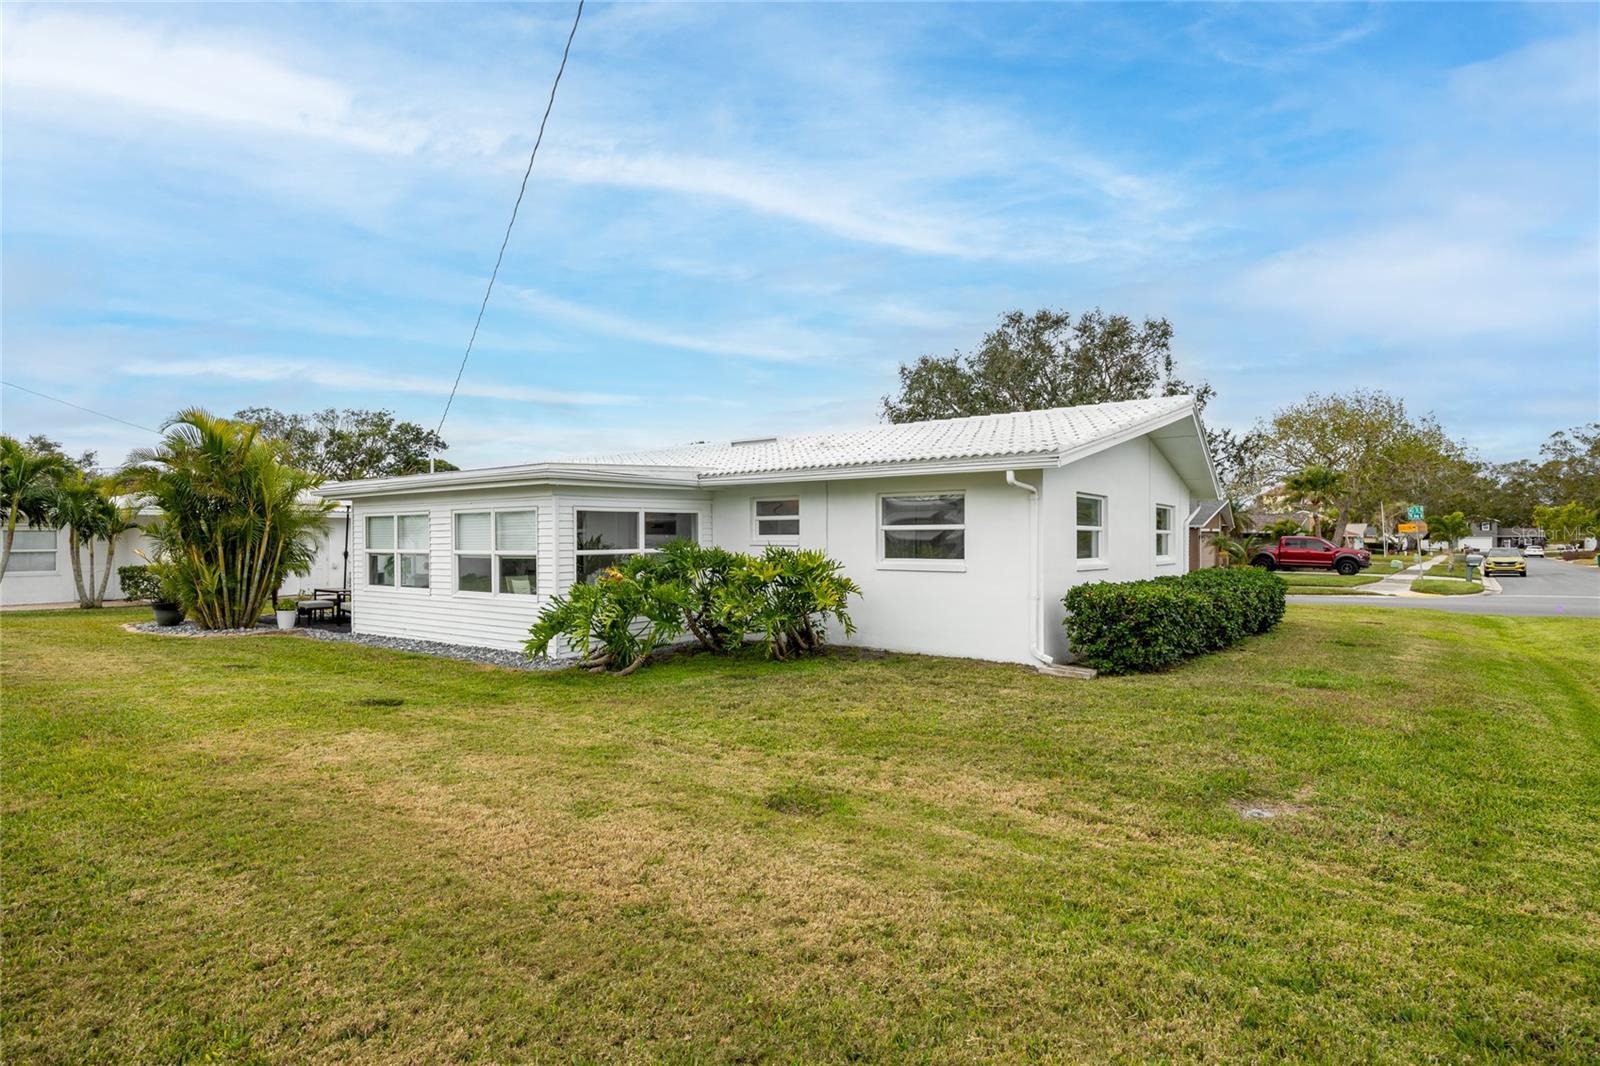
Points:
(11, 535)
(1344, 516)
(89, 587)
(105, 578)
(77, 566)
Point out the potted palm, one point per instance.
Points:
(166, 606)
(287, 610)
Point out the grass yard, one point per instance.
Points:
(277, 850)
(1445, 587)
(1297, 579)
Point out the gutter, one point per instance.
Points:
(1035, 566)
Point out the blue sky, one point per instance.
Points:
(743, 218)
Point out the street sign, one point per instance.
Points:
(1414, 527)
(1414, 512)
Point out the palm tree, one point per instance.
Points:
(1236, 547)
(236, 518)
(1449, 528)
(86, 509)
(1315, 486)
(27, 482)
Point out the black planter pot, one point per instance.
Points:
(167, 614)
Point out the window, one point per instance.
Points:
(497, 551)
(33, 552)
(1164, 517)
(777, 521)
(924, 528)
(605, 538)
(1091, 527)
(397, 547)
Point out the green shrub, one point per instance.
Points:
(1137, 626)
(785, 596)
(615, 622)
(139, 582)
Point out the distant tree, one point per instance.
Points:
(346, 445)
(1048, 359)
(89, 511)
(1567, 523)
(1314, 487)
(86, 462)
(28, 477)
(1379, 448)
(1450, 528)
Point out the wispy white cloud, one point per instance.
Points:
(115, 64)
(774, 339)
(266, 369)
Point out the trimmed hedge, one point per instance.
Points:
(1128, 627)
(139, 582)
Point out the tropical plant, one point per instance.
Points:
(87, 508)
(236, 518)
(27, 489)
(1237, 547)
(614, 622)
(1283, 527)
(1314, 487)
(702, 572)
(1450, 528)
(787, 596)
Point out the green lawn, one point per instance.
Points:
(1320, 580)
(275, 850)
(1448, 567)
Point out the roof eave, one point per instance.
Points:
(532, 474)
(899, 468)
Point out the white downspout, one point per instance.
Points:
(1034, 566)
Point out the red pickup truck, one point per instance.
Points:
(1311, 553)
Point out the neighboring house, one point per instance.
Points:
(40, 570)
(964, 534)
(1208, 519)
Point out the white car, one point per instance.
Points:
(1533, 551)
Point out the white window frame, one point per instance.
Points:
(54, 552)
(941, 565)
(1098, 561)
(638, 513)
(1166, 558)
(367, 551)
(757, 537)
(494, 553)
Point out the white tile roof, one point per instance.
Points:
(1053, 431)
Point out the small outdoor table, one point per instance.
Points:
(339, 597)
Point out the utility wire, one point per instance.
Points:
(80, 407)
(507, 239)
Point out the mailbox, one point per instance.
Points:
(1474, 563)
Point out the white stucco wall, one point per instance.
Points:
(981, 607)
(976, 609)
(1133, 478)
(25, 587)
(20, 587)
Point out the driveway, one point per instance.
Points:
(1551, 588)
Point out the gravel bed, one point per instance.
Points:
(190, 629)
(516, 660)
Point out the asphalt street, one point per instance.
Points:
(1551, 588)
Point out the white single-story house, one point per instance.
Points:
(40, 570)
(963, 533)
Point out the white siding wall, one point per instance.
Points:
(979, 611)
(1134, 478)
(490, 620)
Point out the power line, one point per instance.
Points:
(80, 407)
(507, 239)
